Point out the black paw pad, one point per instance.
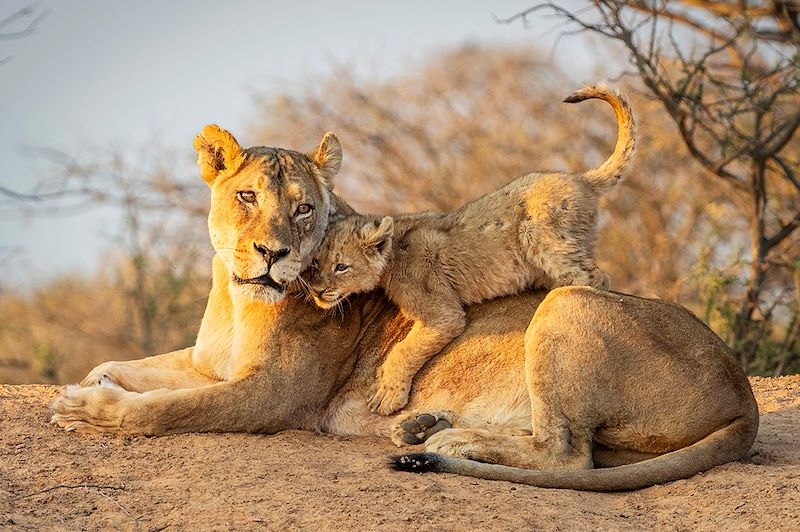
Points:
(411, 426)
(436, 427)
(426, 420)
(410, 438)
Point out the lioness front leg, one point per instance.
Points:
(251, 404)
(425, 339)
(172, 371)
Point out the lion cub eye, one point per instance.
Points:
(246, 196)
(339, 268)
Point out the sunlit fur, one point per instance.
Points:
(362, 246)
(281, 181)
(537, 231)
(599, 379)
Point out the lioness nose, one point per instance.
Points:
(270, 255)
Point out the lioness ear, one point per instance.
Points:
(217, 152)
(328, 157)
(377, 236)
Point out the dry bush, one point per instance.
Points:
(473, 119)
(148, 292)
(58, 332)
(726, 74)
(461, 124)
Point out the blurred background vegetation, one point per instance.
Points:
(706, 217)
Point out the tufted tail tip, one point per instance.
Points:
(417, 462)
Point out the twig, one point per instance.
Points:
(29, 27)
(70, 486)
(112, 499)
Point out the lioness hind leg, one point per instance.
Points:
(416, 426)
(528, 452)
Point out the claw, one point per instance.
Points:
(374, 403)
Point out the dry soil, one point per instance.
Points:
(53, 480)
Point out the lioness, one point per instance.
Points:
(603, 379)
(537, 231)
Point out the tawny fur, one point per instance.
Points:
(537, 231)
(638, 377)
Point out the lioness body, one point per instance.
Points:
(620, 377)
(537, 231)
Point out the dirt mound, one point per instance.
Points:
(50, 479)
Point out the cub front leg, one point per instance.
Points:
(405, 359)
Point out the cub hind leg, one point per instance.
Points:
(567, 271)
(565, 257)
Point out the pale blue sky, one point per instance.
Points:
(107, 73)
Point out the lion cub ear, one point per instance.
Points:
(328, 158)
(376, 237)
(217, 152)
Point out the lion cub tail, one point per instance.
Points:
(610, 172)
(726, 444)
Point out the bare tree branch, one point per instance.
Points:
(730, 85)
(30, 25)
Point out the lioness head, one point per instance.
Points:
(269, 208)
(351, 259)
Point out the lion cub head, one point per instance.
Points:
(269, 208)
(351, 259)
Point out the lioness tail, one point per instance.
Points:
(724, 445)
(610, 172)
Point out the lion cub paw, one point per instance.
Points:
(390, 397)
(411, 428)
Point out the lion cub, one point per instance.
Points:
(537, 231)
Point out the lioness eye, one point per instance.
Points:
(246, 196)
(341, 267)
(304, 208)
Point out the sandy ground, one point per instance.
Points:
(50, 479)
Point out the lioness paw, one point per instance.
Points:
(411, 428)
(94, 409)
(103, 375)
